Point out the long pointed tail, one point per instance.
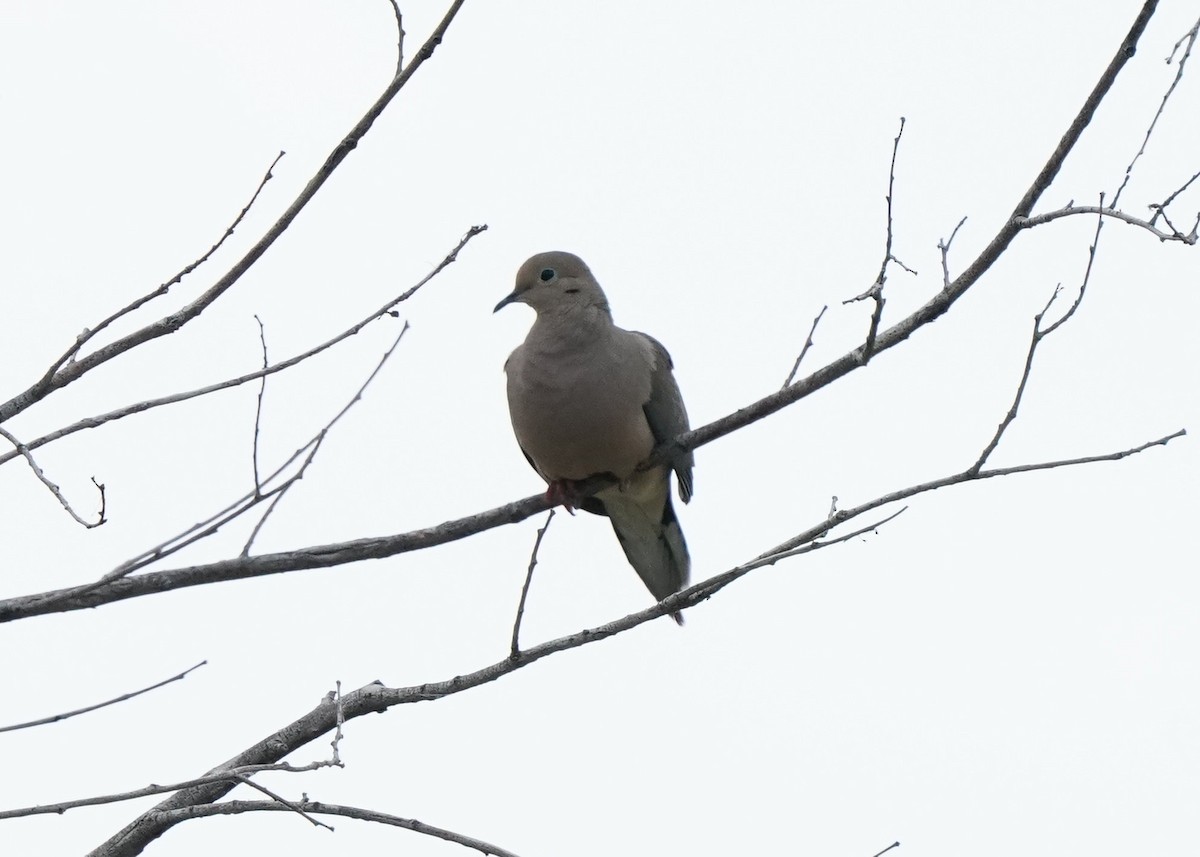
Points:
(653, 542)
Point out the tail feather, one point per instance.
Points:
(650, 535)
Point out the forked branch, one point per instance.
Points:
(376, 697)
(72, 371)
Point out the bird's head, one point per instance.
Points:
(556, 282)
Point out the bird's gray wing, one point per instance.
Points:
(666, 414)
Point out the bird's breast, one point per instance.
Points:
(576, 418)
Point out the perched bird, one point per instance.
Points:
(587, 397)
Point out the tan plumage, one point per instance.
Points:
(588, 397)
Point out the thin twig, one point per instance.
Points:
(895, 844)
(169, 324)
(336, 554)
(336, 743)
(1102, 211)
(1161, 212)
(1159, 207)
(944, 248)
(1038, 335)
(537, 543)
(876, 291)
(236, 509)
(771, 559)
(1190, 38)
(888, 255)
(229, 777)
(944, 300)
(318, 439)
(23, 450)
(276, 495)
(526, 657)
(239, 507)
(926, 314)
(283, 802)
(960, 478)
(1083, 284)
(340, 553)
(235, 807)
(1016, 402)
(314, 445)
(399, 37)
(57, 717)
(804, 350)
(384, 311)
(376, 698)
(70, 354)
(262, 389)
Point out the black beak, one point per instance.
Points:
(512, 298)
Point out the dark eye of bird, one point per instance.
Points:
(547, 274)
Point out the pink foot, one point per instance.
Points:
(561, 492)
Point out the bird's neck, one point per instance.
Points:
(569, 329)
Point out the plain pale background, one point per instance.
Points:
(1009, 667)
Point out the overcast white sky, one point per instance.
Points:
(1007, 668)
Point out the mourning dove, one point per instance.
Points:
(587, 397)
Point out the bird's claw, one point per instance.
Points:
(561, 492)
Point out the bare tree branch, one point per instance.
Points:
(23, 450)
(944, 249)
(235, 510)
(173, 322)
(128, 410)
(262, 389)
(66, 714)
(88, 333)
(320, 556)
(1190, 38)
(1159, 206)
(1087, 277)
(335, 554)
(537, 543)
(235, 807)
(1174, 235)
(774, 556)
(944, 300)
(336, 743)
(283, 802)
(962, 477)
(876, 290)
(239, 507)
(1016, 402)
(230, 776)
(1040, 333)
(195, 798)
(375, 697)
(319, 439)
(399, 36)
(888, 255)
(804, 349)
(323, 556)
